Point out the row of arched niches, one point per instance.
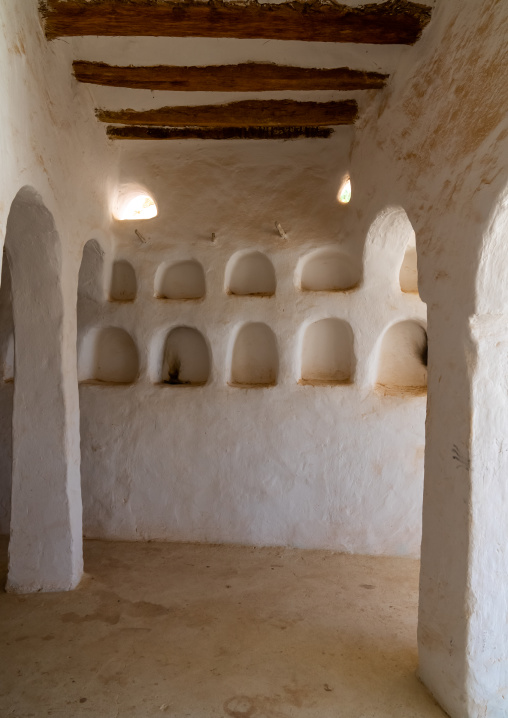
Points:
(110, 356)
(325, 354)
(251, 273)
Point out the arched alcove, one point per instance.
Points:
(327, 353)
(408, 275)
(108, 355)
(90, 277)
(402, 366)
(90, 285)
(182, 280)
(123, 287)
(250, 274)
(390, 252)
(328, 270)
(255, 360)
(186, 360)
(90, 296)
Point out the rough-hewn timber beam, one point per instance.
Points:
(247, 77)
(248, 113)
(391, 22)
(217, 133)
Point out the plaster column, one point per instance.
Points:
(45, 549)
(463, 618)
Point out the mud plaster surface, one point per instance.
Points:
(191, 630)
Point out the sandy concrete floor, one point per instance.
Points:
(203, 631)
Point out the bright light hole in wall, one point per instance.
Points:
(140, 207)
(344, 195)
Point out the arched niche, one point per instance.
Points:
(110, 356)
(91, 277)
(90, 287)
(402, 366)
(186, 360)
(255, 359)
(408, 275)
(327, 353)
(250, 274)
(123, 287)
(390, 252)
(182, 280)
(328, 270)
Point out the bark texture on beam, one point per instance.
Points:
(391, 22)
(217, 133)
(248, 113)
(246, 77)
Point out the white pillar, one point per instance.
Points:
(45, 549)
(463, 619)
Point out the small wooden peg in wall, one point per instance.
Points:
(214, 236)
(281, 231)
(140, 236)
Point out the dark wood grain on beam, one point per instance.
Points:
(217, 133)
(247, 113)
(246, 77)
(391, 22)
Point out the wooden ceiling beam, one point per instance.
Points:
(246, 77)
(217, 133)
(391, 22)
(247, 113)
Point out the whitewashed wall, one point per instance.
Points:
(338, 467)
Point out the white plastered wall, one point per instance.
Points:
(337, 467)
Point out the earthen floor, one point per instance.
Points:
(216, 631)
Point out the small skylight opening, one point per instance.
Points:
(140, 207)
(344, 195)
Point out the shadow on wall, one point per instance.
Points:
(6, 396)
